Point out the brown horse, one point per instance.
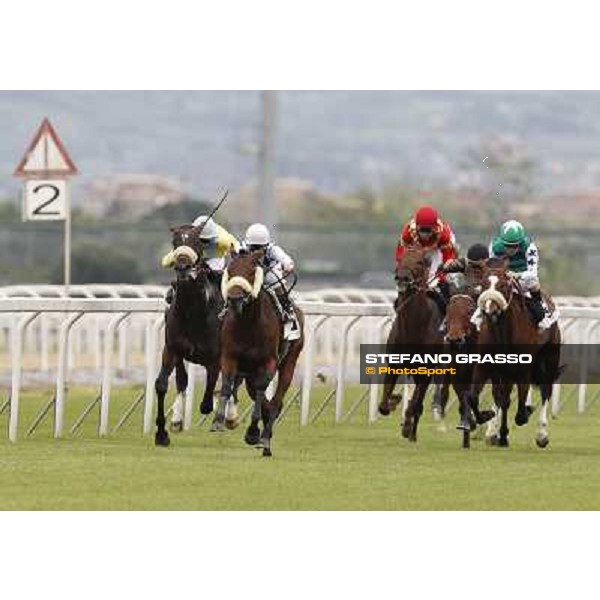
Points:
(253, 348)
(417, 322)
(461, 336)
(507, 323)
(192, 325)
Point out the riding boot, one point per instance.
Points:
(286, 306)
(536, 307)
(444, 288)
(170, 295)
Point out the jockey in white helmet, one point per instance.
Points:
(276, 263)
(217, 245)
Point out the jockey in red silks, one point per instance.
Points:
(427, 230)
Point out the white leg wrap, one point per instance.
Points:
(493, 424)
(177, 414)
(231, 411)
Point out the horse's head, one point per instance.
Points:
(458, 319)
(187, 250)
(242, 280)
(497, 289)
(413, 270)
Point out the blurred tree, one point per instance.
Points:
(178, 214)
(95, 263)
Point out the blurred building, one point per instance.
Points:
(132, 195)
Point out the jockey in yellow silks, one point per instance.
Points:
(217, 244)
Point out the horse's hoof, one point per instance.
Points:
(485, 416)
(162, 439)
(232, 423)
(252, 437)
(503, 442)
(217, 426)
(522, 418)
(436, 412)
(267, 452)
(406, 430)
(384, 410)
(395, 399)
(492, 440)
(206, 408)
(542, 441)
(176, 427)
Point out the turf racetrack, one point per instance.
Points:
(351, 466)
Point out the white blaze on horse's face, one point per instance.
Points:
(492, 298)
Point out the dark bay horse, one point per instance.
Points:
(417, 322)
(507, 324)
(253, 348)
(192, 325)
(461, 336)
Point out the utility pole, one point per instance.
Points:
(267, 209)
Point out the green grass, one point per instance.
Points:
(352, 466)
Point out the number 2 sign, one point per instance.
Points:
(45, 200)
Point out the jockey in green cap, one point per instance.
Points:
(513, 243)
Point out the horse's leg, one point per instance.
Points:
(503, 432)
(385, 406)
(252, 436)
(523, 411)
(161, 385)
(232, 417)
(551, 370)
(181, 381)
(228, 374)
(464, 408)
(542, 439)
(212, 375)
(269, 411)
(440, 400)
(491, 433)
(414, 411)
(444, 396)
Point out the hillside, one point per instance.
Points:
(336, 140)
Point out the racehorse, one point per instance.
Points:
(191, 325)
(461, 336)
(507, 324)
(253, 347)
(417, 322)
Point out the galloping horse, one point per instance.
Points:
(461, 336)
(253, 347)
(192, 325)
(418, 319)
(507, 323)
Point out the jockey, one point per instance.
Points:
(217, 244)
(513, 243)
(471, 266)
(427, 230)
(277, 265)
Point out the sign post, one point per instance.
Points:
(45, 167)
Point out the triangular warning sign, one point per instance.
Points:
(46, 156)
